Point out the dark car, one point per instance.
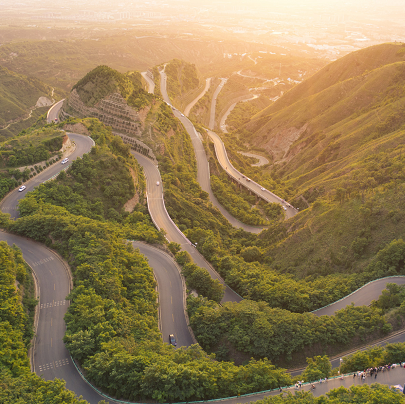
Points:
(172, 340)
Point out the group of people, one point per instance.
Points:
(374, 371)
(370, 372)
(299, 384)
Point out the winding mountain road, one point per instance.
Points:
(203, 170)
(162, 220)
(50, 357)
(211, 124)
(172, 295)
(151, 83)
(9, 204)
(238, 177)
(262, 160)
(222, 123)
(192, 103)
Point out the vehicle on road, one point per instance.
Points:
(157, 183)
(56, 119)
(64, 161)
(262, 188)
(21, 188)
(284, 208)
(172, 340)
(247, 179)
(182, 114)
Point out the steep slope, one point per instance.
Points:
(339, 148)
(118, 100)
(183, 83)
(19, 95)
(352, 65)
(341, 124)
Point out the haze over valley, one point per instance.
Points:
(202, 200)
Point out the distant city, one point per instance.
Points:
(322, 29)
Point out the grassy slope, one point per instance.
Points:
(352, 65)
(201, 111)
(18, 93)
(347, 165)
(183, 81)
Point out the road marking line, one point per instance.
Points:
(54, 364)
(42, 261)
(173, 317)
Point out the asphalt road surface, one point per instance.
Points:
(211, 124)
(262, 160)
(10, 202)
(162, 220)
(235, 174)
(264, 194)
(192, 103)
(151, 84)
(172, 318)
(53, 112)
(203, 171)
(361, 297)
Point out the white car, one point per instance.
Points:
(182, 114)
(262, 189)
(64, 161)
(21, 188)
(284, 208)
(158, 183)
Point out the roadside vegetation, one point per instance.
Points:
(17, 305)
(244, 111)
(26, 155)
(112, 320)
(182, 78)
(200, 113)
(236, 202)
(376, 393)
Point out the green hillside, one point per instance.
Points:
(353, 65)
(17, 302)
(182, 81)
(337, 127)
(103, 80)
(337, 142)
(18, 95)
(20, 155)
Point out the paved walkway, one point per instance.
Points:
(393, 377)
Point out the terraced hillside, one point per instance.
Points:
(116, 99)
